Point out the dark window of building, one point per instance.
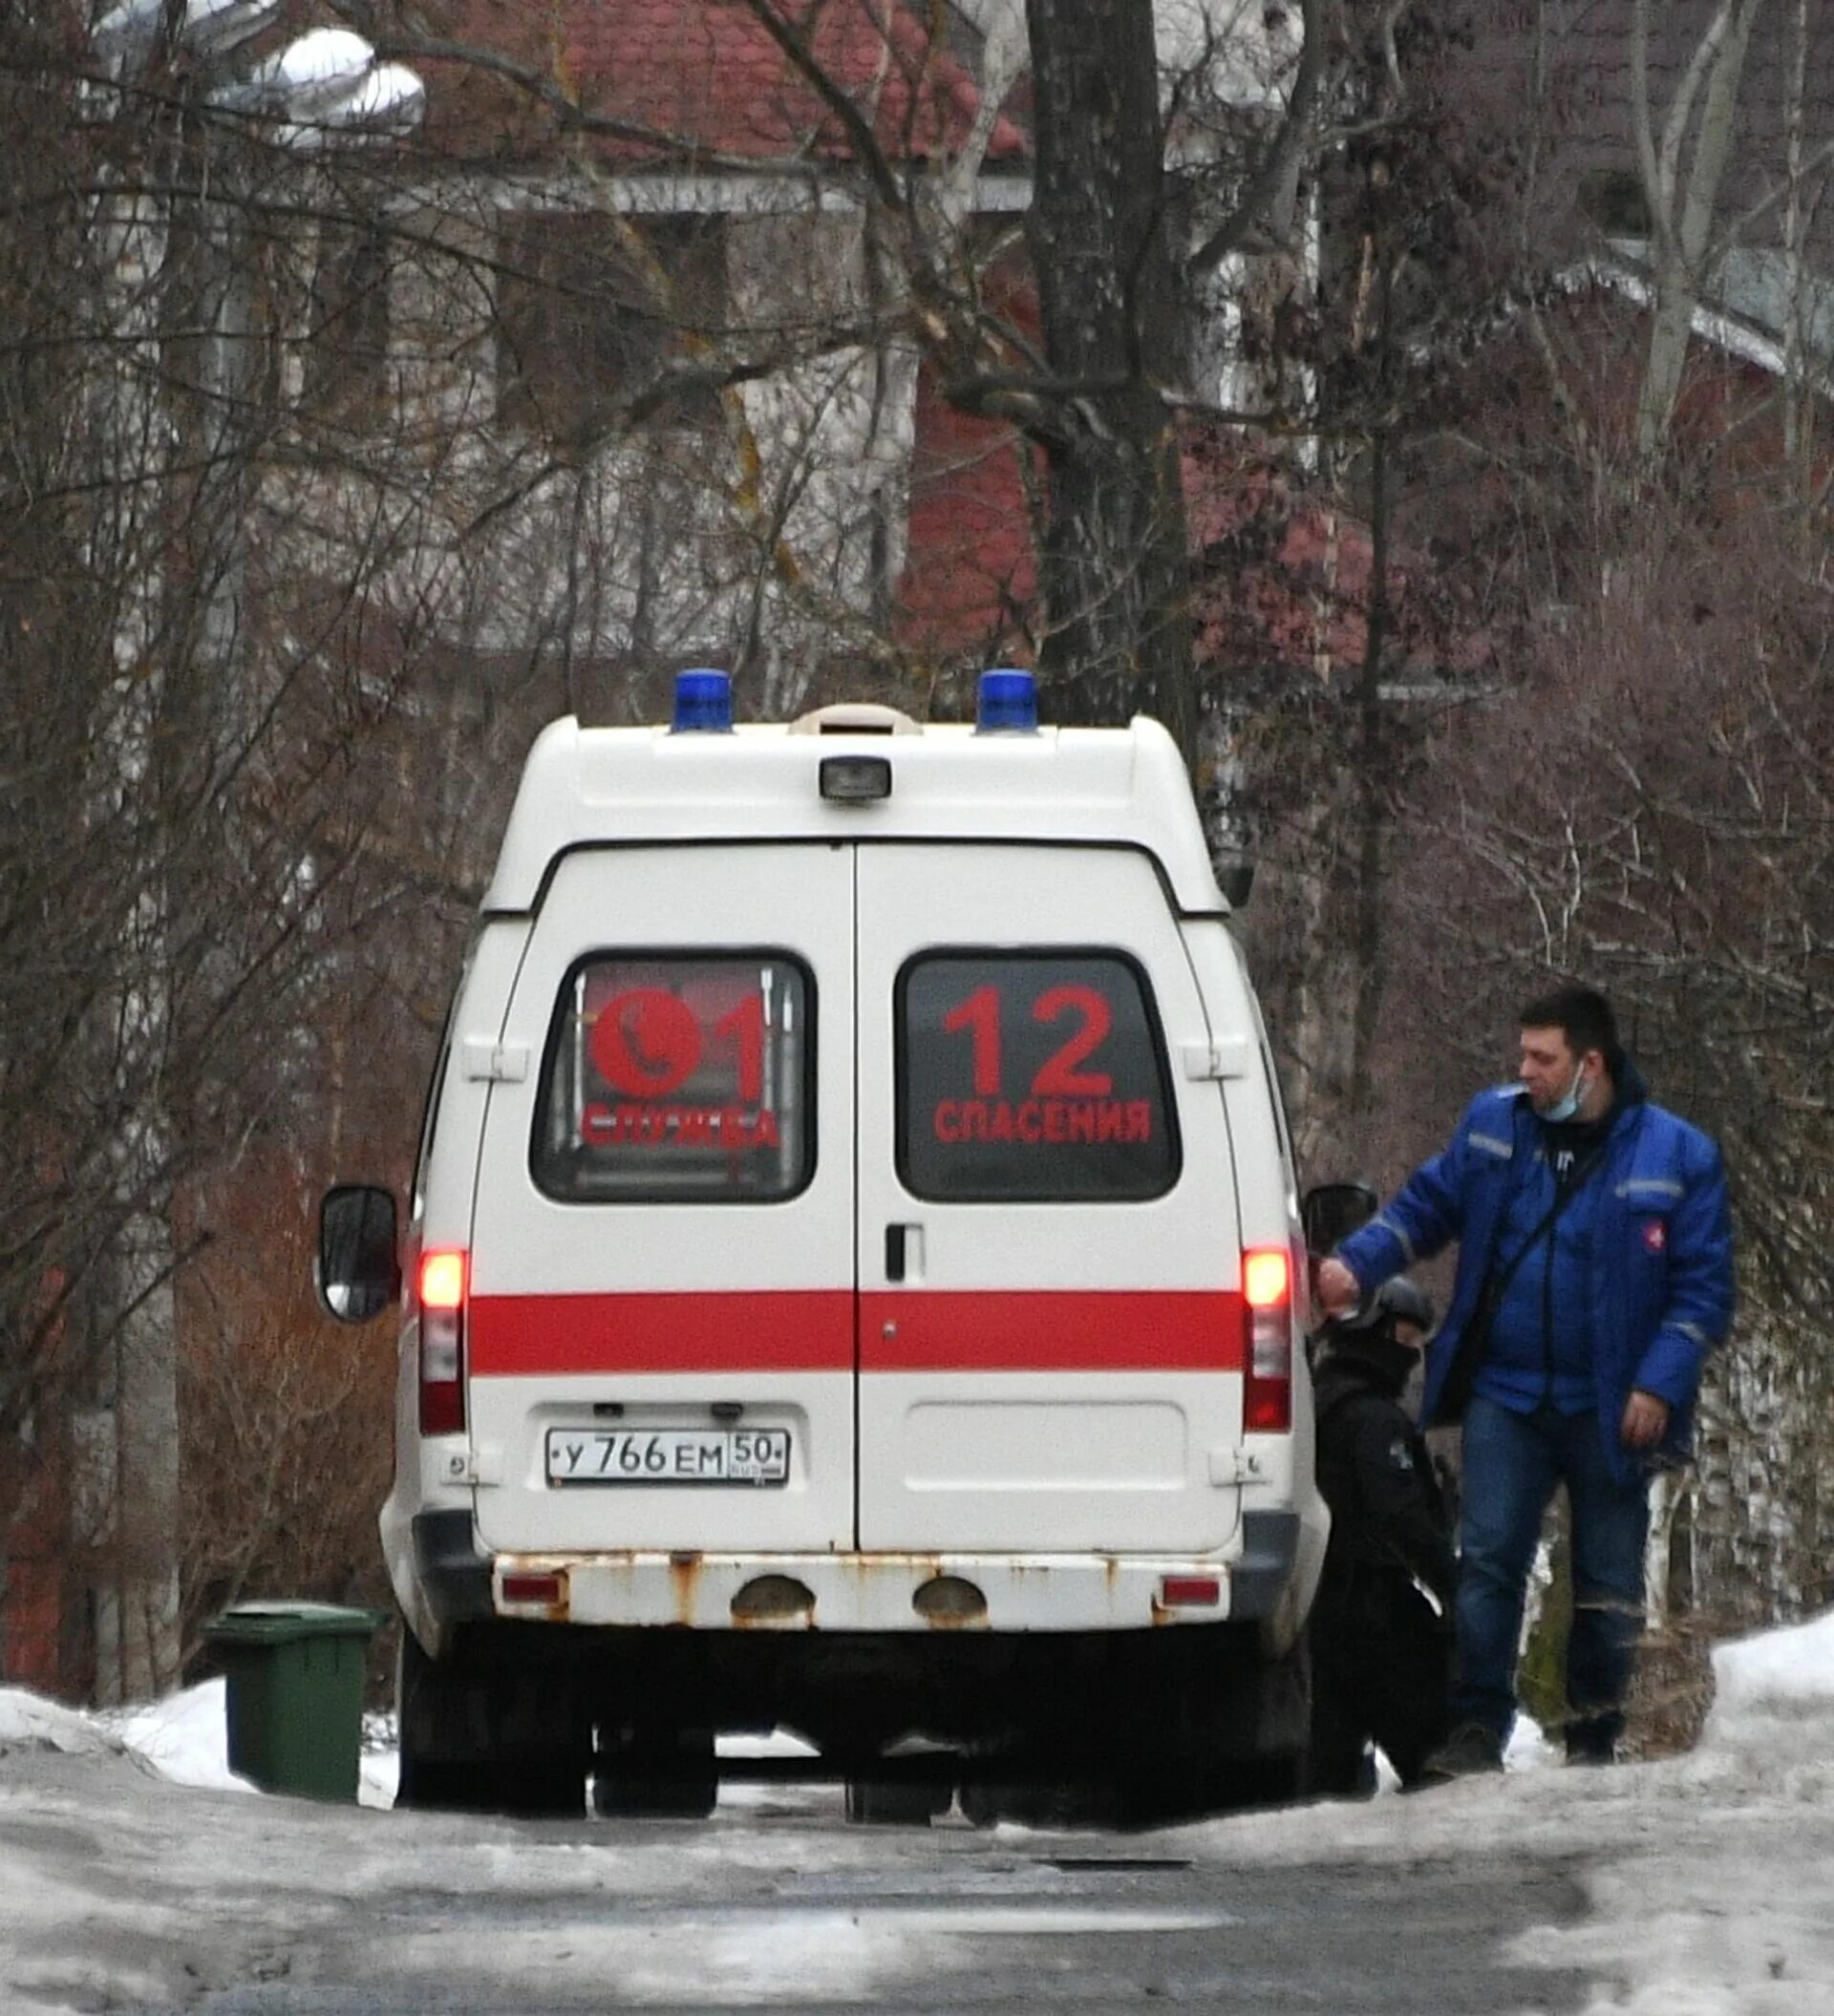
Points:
(1613, 199)
(593, 309)
(347, 340)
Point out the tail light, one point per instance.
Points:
(440, 1287)
(1266, 1315)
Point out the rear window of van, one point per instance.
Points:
(1031, 1077)
(677, 1077)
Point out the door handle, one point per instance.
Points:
(904, 1253)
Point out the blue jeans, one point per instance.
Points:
(1512, 1465)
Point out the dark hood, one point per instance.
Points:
(1362, 1362)
(1628, 1082)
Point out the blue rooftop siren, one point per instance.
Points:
(1007, 703)
(703, 703)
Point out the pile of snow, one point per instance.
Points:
(1776, 1676)
(1715, 1902)
(29, 1722)
(184, 1738)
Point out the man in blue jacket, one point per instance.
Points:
(1594, 1275)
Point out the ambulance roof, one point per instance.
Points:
(586, 787)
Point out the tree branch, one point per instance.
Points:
(1282, 154)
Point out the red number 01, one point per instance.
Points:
(646, 1044)
(1057, 1076)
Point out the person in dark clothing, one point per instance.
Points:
(1382, 1639)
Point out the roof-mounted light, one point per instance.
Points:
(854, 780)
(1007, 703)
(703, 703)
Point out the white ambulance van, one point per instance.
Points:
(853, 1283)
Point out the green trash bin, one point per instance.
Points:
(296, 1694)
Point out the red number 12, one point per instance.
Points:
(1057, 1076)
(981, 1014)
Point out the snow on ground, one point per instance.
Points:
(1710, 1877)
(184, 1737)
(28, 1721)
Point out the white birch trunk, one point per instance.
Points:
(1682, 195)
(1666, 1496)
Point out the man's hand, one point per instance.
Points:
(1338, 1288)
(1645, 1421)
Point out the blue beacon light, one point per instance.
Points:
(703, 703)
(1007, 703)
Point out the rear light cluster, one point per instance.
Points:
(440, 1287)
(1266, 1313)
(549, 1589)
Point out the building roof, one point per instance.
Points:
(1746, 308)
(707, 77)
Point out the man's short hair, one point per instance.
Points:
(1583, 1016)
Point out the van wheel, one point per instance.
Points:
(657, 1775)
(895, 1802)
(535, 1790)
(980, 1802)
(1037, 1790)
(468, 1745)
(1274, 1775)
(435, 1732)
(435, 1785)
(1253, 1753)
(1274, 1780)
(516, 1792)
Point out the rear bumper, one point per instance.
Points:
(917, 1593)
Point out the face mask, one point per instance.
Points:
(1568, 1105)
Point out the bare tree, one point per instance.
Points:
(1115, 558)
(1681, 173)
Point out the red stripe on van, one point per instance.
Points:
(1076, 1331)
(812, 1330)
(772, 1330)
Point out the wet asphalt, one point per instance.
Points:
(943, 1921)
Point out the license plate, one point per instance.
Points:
(668, 1456)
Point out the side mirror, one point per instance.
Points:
(1333, 1211)
(358, 1272)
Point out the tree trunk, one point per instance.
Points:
(1682, 200)
(131, 1463)
(1114, 575)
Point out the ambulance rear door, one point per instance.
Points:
(1051, 1323)
(661, 1327)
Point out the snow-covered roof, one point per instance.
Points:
(1744, 309)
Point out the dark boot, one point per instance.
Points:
(1592, 1740)
(1472, 1749)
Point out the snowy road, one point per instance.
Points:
(153, 1896)
(1692, 1888)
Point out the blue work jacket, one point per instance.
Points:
(1661, 1279)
